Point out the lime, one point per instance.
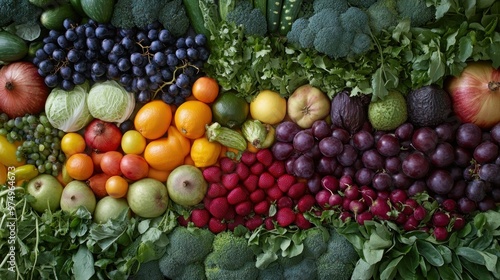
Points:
(230, 110)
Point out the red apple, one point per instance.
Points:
(306, 105)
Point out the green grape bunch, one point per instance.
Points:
(41, 142)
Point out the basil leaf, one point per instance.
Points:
(363, 270)
(389, 270)
(83, 264)
(430, 253)
(446, 272)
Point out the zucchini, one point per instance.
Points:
(98, 10)
(289, 13)
(261, 5)
(195, 15)
(273, 15)
(53, 18)
(12, 47)
(226, 136)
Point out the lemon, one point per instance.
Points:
(230, 110)
(268, 107)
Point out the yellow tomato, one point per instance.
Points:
(72, 143)
(133, 142)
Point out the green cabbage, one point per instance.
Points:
(67, 110)
(110, 102)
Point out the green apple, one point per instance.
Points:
(186, 185)
(47, 192)
(76, 194)
(109, 207)
(147, 198)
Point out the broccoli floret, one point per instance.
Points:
(122, 14)
(19, 12)
(231, 258)
(306, 39)
(295, 32)
(173, 17)
(355, 20)
(146, 12)
(417, 11)
(361, 43)
(186, 252)
(148, 270)
(272, 272)
(339, 260)
(297, 271)
(361, 3)
(315, 242)
(383, 14)
(339, 6)
(252, 19)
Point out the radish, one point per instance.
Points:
(380, 208)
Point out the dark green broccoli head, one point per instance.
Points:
(253, 20)
(305, 268)
(148, 270)
(229, 252)
(297, 27)
(339, 6)
(173, 17)
(416, 11)
(122, 14)
(383, 15)
(315, 242)
(146, 11)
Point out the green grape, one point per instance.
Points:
(46, 153)
(55, 173)
(44, 120)
(41, 148)
(61, 157)
(52, 158)
(38, 162)
(30, 161)
(49, 139)
(40, 128)
(61, 134)
(18, 122)
(3, 131)
(48, 130)
(31, 119)
(10, 123)
(35, 156)
(41, 168)
(48, 166)
(3, 117)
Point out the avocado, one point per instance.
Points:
(428, 106)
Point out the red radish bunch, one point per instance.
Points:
(252, 192)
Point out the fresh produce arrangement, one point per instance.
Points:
(238, 139)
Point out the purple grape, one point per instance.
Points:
(485, 152)
(373, 160)
(466, 205)
(415, 165)
(363, 140)
(314, 183)
(314, 152)
(341, 134)
(486, 204)
(364, 176)
(282, 150)
(330, 146)
(468, 135)
(285, 131)
(303, 167)
(440, 181)
(490, 172)
(392, 165)
(401, 181)
(443, 155)
(388, 145)
(348, 155)
(495, 133)
(445, 132)
(458, 189)
(495, 194)
(417, 187)
(321, 129)
(382, 181)
(463, 157)
(303, 141)
(476, 190)
(424, 139)
(326, 165)
(404, 131)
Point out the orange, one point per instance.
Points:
(188, 160)
(72, 143)
(160, 175)
(205, 153)
(80, 166)
(153, 119)
(116, 186)
(168, 152)
(205, 89)
(191, 118)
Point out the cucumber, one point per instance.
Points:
(98, 10)
(53, 18)
(289, 13)
(273, 15)
(12, 47)
(261, 5)
(195, 16)
(77, 6)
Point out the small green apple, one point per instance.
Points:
(46, 190)
(147, 198)
(76, 194)
(186, 185)
(109, 207)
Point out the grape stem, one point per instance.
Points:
(185, 65)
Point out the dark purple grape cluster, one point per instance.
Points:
(150, 62)
(451, 161)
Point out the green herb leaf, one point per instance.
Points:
(430, 253)
(83, 264)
